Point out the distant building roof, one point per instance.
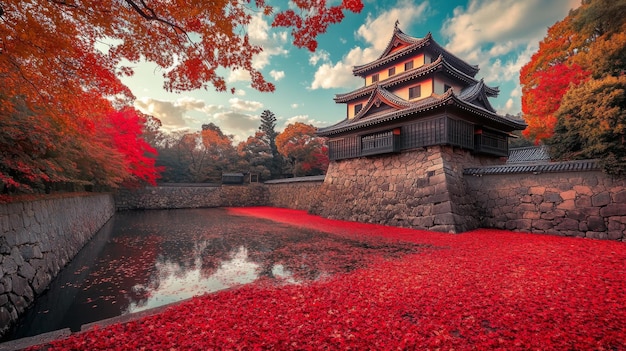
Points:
(546, 167)
(528, 154)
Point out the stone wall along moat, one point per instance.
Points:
(38, 239)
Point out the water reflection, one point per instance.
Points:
(175, 283)
(145, 259)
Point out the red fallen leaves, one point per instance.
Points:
(486, 289)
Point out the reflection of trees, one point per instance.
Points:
(146, 248)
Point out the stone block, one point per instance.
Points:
(583, 201)
(601, 199)
(583, 190)
(568, 195)
(519, 224)
(18, 302)
(19, 285)
(596, 224)
(531, 215)
(542, 224)
(613, 209)
(597, 235)
(445, 218)
(527, 207)
(537, 190)
(9, 266)
(526, 199)
(26, 271)
(576, 214)
(552, 197)
(546, 206)
(567, 205)
(620, 196)
(424, 222)
(616, 235)
(567, 224)
(441, 208)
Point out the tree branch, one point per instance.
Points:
(151, 15)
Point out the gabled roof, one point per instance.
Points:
(381, 95)
(411, 45)
(402, 108)
(528, 154)
(441, 63)
(478, 94)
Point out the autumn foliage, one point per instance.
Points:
(482, 290)
(60, 69)
(303, 149)
(588, 43)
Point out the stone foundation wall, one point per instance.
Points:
(38, 239)
(295, 193)
(422, 188)
(192, 196)
(583, 204)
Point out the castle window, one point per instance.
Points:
(415, 92)
(357, 108)
(408, 65)
(375, 78)
(392, 71)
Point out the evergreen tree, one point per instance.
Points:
(268, 127)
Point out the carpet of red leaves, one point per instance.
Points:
(485, 289)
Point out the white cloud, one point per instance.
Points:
(238, 75)
(376, 33)
(241, 125)
(319, 55)
(509, 104)
(328, 76)
(173, 114)
(277, 75)
(501, 36)
(302, 119)
(243, 105)
(294, 105)
(502, 25)
(272, 45)
(240, 92)
(516, 92)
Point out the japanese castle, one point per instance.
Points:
(418, 94)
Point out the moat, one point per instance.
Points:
(145, 259)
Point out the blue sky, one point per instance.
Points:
(498, 35)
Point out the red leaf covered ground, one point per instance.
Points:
(486, 289)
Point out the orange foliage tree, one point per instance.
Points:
(306, 152)
(589, 43)
(61, 63)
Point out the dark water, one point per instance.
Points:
(145, 259)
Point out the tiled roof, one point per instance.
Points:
(412, 44)
(528, 154)
(474, 86)
(429, 103)
(318, 178)
(479, 92)
(545, 167)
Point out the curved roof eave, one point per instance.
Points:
(448, 98)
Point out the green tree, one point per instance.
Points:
(592, 124)
(269, 134)
(583, 54)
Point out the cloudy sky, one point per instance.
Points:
(498, 35)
